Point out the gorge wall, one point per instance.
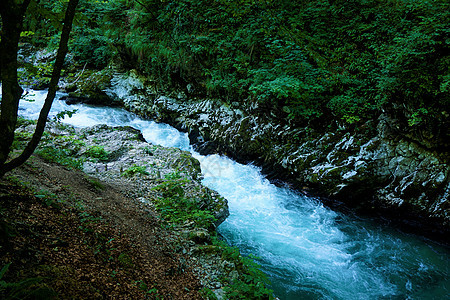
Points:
(382, 172)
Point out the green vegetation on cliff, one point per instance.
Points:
(302, 60)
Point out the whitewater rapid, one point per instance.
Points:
(307, 250)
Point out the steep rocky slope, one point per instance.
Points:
(161, 182)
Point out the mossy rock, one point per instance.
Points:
(188, 164)
(90, 88)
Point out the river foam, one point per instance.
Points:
(307, 250)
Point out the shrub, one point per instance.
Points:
(134, 170)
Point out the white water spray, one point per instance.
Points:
(307, 250)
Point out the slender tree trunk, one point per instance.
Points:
(31, 146)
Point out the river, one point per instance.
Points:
(307, 250)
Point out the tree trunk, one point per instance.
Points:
(12, 17)
(31, 146)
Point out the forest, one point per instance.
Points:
(325, 64)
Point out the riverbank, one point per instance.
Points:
(139, 225)
(65, 236)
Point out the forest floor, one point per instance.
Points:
(66, 234)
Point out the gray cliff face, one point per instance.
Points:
(382, 171)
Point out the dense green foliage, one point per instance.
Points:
(320, 63)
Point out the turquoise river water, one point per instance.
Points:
(307, 250)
